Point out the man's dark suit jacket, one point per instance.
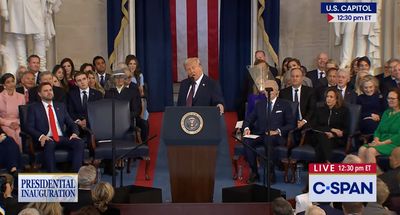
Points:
(208, 93)
(37, 77)
(75, 107)
(84, 199)
(387, 84)
(281, 118)
(307, 100)
(38, 122)
(59, 95)
(127, 94)
(313, 75)
(389, 177)
(350, 96)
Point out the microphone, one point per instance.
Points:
(191, 78)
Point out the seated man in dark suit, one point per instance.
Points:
(280, 123)
(318, 74)
(302, 95)
(46, 122)
(79, 97)
(58, 92)
(87, 177)
(198, 89)
(349, 95)
(27, 82)
(393, 81)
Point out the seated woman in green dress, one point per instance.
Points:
(387, 135)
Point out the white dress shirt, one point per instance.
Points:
(81, 93)
(196, 86)
(298, 96)
(59, 131)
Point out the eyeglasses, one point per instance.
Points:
(391, 98)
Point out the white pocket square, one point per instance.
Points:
(278, 111)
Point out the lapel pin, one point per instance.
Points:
(204, 85)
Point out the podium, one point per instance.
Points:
(192, 135)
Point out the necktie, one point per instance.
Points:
(269, 107)
(296, 99)
(189, 99)
(102, 80)
(321, 75)
(26, 96)
(84, 99)
(53, 126)
(341, 92)
(296, 95)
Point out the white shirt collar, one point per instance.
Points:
(81, 90)
(299, 88)
(119, 89)
(273, 101)
(199, 80)
(45, 104)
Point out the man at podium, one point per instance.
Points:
(198, 89)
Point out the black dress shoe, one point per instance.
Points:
(253, 178)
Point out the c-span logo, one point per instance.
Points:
(47, 187)
(350, 11)
(342, 182)
(191, 123)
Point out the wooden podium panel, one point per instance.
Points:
(192, 172)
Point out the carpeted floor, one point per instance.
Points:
(224, 169)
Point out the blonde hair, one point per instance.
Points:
(352, 159)
(369, 78)
(382, 191)
(360, 75)
(47, 208)
(102, 194)
(314, 210)
(97, 85)
(29, 211)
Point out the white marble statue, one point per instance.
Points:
(22, 18)
(365, 37)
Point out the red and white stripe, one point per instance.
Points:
(195, 33)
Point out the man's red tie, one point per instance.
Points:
(53, 126)
(189, 99)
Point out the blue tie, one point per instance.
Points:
(269, 107)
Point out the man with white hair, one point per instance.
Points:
(87, 177)
(347, 93)
(281, 121)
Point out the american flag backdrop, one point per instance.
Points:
(223, 33)
(194, 33)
